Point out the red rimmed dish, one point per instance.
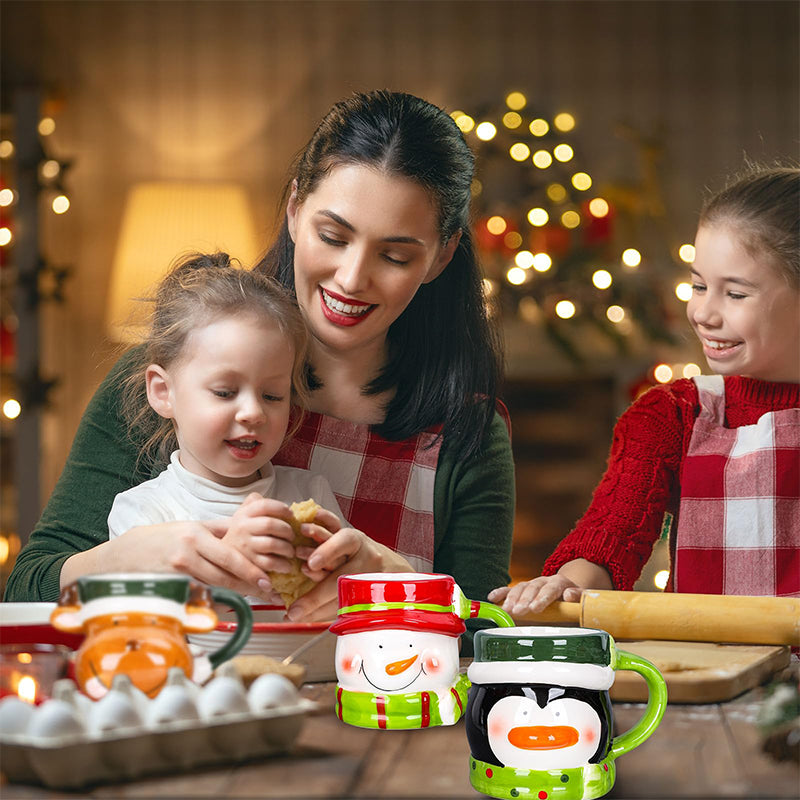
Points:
(29, 623)
(277, 638)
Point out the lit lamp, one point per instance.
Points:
(162, 221)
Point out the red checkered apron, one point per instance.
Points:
(384, 488)
(739, 520)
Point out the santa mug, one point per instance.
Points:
(539, 719)
(397, 653)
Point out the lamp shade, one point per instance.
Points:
(162, 221)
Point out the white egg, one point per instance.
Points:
(55, 719)
(114, 712)
(15, 716)
(223, 696)
(271, 691)
(172, 704)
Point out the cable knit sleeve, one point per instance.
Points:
(641, 482)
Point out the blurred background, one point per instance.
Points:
(598, 126)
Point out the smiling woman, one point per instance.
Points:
(403, 367)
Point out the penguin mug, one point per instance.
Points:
(539, 719)
(397, 652)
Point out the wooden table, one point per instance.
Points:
(698, 751)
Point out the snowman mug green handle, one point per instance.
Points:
(397, 658)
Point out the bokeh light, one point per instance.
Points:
(11, 409)
(686, 253)
(615, 313)
(691, 370)
(602, 279)
(565, 309)
(598, 207)
(512, 120)
(496, 225)
(581, 181)
(663, 373)
(539, 127)
(542, 159)
(563, 152)
(60, 204)
(556, 192)
(486, 131)
(517, 276)
(683, 291)
(570, 219)
(538, 217)
(516, 101)
(524, 259)
(564, 121)
(519, 151)
(542, 262)
(631, 257)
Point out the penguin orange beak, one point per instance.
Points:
(396, 667)
(543, 737)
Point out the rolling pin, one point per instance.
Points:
(680, 617)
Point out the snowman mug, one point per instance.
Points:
(539, 719)
(397, 653)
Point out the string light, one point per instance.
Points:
(6, 197)
(563, 152)
(538, 217)
(581, 181)
(542, 159)
(486, 131)
(50, 169)
(691, 370)
(683, 291)
(570, 219)
(602, 279)
(464, 121)
(60, 204)
(524, 259)
(512, 120)
(46, 126)
(496, 225)
(517, 276)
(512, 240)
(663, 373)
(565, 309)
(564, 121)
(542, 262)
(631, 257)
(539, 127)
(660, 579)
(615, 314)
(5, 550)
(686, 253)
(5, 236)
(598, 207)
(6, 148)
(556, 192)
(516, 101)
(11, 409)
(519, 151)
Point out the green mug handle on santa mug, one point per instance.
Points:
(656, 703)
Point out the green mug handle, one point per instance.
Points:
(656, 703)
(472, 609)
(244, 625)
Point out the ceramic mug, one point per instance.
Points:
(539, 719)
(397, 649)
(136, 624)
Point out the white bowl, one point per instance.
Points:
(274, 637)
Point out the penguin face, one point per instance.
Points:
(396, 661)
(564, 733)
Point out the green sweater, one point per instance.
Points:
(473, 504)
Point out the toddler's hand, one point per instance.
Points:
(535, 595)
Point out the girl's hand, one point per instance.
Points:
(341, 551)
(261, 532)
(535, 595)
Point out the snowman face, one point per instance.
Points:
(396, 661)
(563, 734)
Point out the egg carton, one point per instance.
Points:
(70, 741)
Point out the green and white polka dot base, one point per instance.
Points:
(580, 783)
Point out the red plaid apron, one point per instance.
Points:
(384, 488)
(739, 520)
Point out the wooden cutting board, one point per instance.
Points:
(699, 672)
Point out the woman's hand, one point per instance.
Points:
(194, 548)
(341, 551)
(567, 584)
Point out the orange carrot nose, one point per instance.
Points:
(396, 667)
(543, 737)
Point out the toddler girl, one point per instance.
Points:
(225, 358)
(716, 458)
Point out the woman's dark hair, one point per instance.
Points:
(762, 206)
(444, 354)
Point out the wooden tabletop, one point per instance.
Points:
(698, 751)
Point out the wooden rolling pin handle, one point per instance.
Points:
(560, 613)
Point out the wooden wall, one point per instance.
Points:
(215, 89)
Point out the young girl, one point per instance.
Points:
(224, 358)
(717, 456)
(376, 244)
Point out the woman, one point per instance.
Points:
(404, 366)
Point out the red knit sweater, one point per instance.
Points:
(643, 476)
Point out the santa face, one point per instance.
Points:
(563, 733)
(396, 661)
